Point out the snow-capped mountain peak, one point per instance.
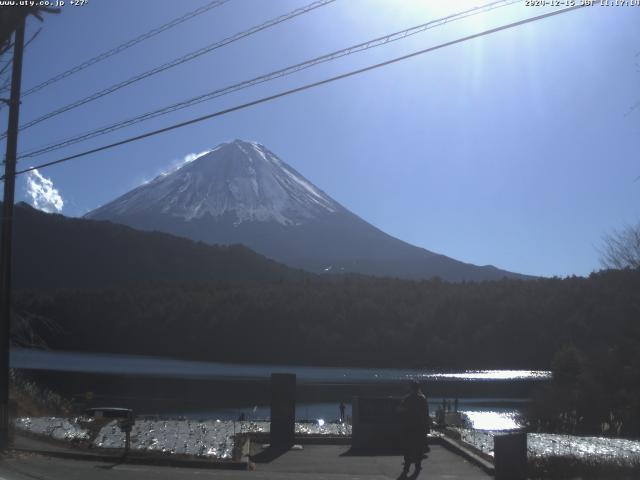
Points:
(241, 192)
(241, 179)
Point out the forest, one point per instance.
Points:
(350, 320)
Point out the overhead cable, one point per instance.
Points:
(376, 42)
(300, 89)
(124, 46)
(177, 61)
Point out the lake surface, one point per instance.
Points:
(488, 414)
(483, 413)
(173, 368)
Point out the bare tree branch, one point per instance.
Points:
(622, 248)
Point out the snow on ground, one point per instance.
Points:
(53, 427)
(214, 438)
(546, 445)
(202, 438)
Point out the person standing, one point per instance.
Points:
(415, 418)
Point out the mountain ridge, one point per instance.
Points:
(81, 253)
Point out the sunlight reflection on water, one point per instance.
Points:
(492, 420)
(492, 375)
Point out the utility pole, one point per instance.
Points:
(7, 230)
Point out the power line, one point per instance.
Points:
(178, 61)
(300, 89)
(376, 42)
(124, 46)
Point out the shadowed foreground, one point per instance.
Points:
(313, 462)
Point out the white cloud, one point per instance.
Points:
(42, 193)
(190, 157)
(177, 164)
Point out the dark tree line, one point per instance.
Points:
(352, 320)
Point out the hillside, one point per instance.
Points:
(53, 251)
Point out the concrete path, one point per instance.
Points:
(314, 462)
(335, 461)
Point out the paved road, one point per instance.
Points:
(314, 462)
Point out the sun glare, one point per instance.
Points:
(432, 9)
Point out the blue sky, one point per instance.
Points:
(519, 149)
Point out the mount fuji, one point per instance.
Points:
(240, 192)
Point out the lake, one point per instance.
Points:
(22, 358)
(172, 387)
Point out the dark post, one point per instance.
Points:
(7, 231)
(376, 425)
(510, 456)
(126, 426)
(283, 409)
